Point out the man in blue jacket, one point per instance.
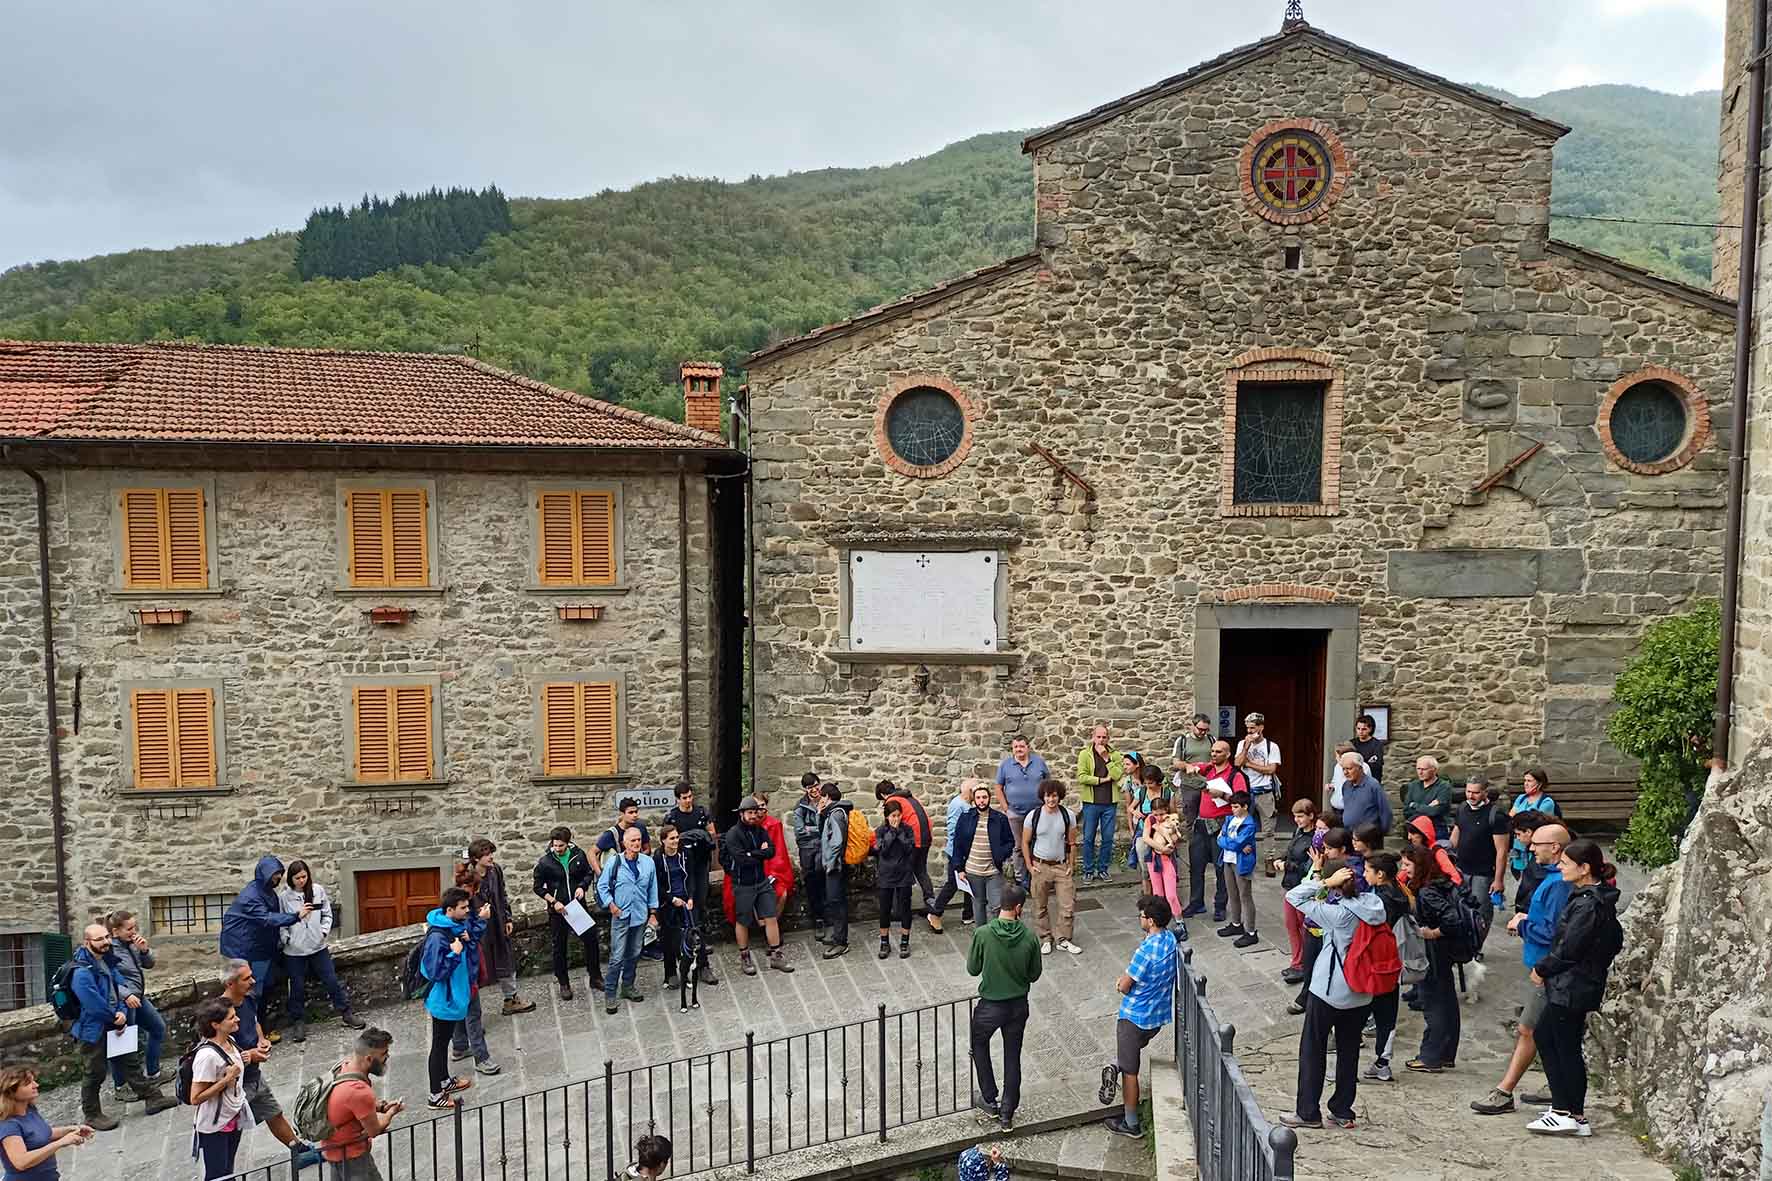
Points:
(1537, 928)
(102, 1010)
(451, 962)
(983, 844)
(628, 886)
(251, 930)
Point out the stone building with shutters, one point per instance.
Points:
(1293, 405)
(350, 607)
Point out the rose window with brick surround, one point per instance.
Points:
(1292, 172)
(1648, 423)
(923, 426)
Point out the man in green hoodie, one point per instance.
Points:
(1005, 957)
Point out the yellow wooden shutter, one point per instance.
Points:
(151, 716)
(187, 559)
(412, 732)
(367, 537)
(144, 560)
(596, 545)
(561, 734)
(599, 728)
(407, 538)
(193, 747)
(556, 539)
(375, 751)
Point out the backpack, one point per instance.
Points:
(1411, 949)
(187, 1064)
(1461, 937)
(1032, 824)
(413, 984)
(311, 1119)
(61, 992)
(860, 841)
(1372, 965)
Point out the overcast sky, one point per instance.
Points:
(161, 122)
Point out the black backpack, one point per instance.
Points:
(61, 992)
(1463, 935)
(1032, 824)
(187, 1065)
(413, 984)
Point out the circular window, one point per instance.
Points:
(1292, 170)
(1653, 421)
(923, 426)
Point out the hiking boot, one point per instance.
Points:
(904, 947)
(610, 1004)
(124, 1095)
(350, 1020)
(632, 992)
(831, 952)
(516, 1004)
(1380, 1073)
(565, 991)
(159, 1101)
(779, 961)
(1496, 1102)
(98, 1121)
(488, 1067)
(885, 948)
(707, 974)
(298, 1031)
(749, 966)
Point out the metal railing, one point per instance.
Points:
(1232, 1139)
(726, 1109)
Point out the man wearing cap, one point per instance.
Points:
(1259, 757)
(745, 851)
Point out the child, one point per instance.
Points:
(1162, 842)
(1336, 844)
(1294, 867)
(1381, 876)
(1367, 840)
(1237, 841)
(897, 849)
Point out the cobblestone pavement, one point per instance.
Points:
(563, 1041)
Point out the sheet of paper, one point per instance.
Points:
(965, 886)
(578, 918)
(1230, 856)
(119, 1042)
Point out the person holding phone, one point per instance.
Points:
(28, 1143)
(355, 1114)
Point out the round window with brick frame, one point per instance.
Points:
(1653, 421)
(923, 426)
(1292, 170)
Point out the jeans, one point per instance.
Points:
(320, 966)
(1321, 1020)
(624, 956)
(1012, 1018)
(217, 1150)
(812, 886)
(560, 933)
(987, 895)
(470, 1031)
(1202, 851)
(1559, 1035)
(946, 894)
(437, 1065)
(1022, 874)
(836, 903)
(1439, 1000)
(153, 1035)
(1099, 821)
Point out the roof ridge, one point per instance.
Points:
(219, 347)
(1722, 305)
(586, 402)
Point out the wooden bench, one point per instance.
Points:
(1595, 803)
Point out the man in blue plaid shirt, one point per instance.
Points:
(1149, 990)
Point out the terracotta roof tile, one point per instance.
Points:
(240, 393)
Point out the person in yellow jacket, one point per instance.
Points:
(1099, 770)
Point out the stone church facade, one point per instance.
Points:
(1293, 406)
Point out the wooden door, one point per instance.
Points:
(395, 897)
(1281, 673)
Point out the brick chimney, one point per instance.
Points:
(701, 394)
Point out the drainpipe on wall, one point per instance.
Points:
(1744, 334)
(741, 412)
(57, 823)
(683, 601)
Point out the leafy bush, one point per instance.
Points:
(1666, 698)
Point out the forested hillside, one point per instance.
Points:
(605, 294)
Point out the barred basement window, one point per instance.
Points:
(22, 977)
(1279, 441)
(187, 914)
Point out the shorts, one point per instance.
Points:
(1129, 1041)
(1532, 1004)
(259, 1098)
(753, 904)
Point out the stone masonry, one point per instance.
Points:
(1498, 557)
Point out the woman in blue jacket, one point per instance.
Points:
(1236, 840)
(451, 962)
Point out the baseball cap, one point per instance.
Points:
(750, 804)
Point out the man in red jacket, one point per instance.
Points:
(917, 820)
(780, 865)
(1222, 779)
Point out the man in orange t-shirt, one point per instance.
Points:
(355, 1114)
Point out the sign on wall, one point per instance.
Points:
(932, 601)
(651, 797)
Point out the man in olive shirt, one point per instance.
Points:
(1429, 795)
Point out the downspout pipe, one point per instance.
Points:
(1744, 341)
(683, 601)
(57, 818)
(741, 412)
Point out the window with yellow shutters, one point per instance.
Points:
(387, 533)
(575, 537)
(579, 728)
(165, 543)
(393, 731)
(173, 738)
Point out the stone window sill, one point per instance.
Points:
(1281, 510)
(390, 592)
(619, 588)
(581, 780)
(395, 785)
(853, 656)
(177, 793)
(137, 595)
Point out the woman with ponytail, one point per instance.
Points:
(1573, 974)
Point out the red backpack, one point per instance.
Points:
(1372, 965)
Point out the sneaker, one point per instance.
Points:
(988, 1110)
(565, 991)
(350, 1020)
(831, 952)
(934, 922)
(298, 1031)
(1045, 947)
(819, 933)
(1110, 1084)
(778, 960)
(1231, 931)
(632, 993)
(1218, 916)
(707, 974)
(488, 1067)
(1065, 945)
(1536, 1098)
(1293, 1120)
(749, 966)
(966, 921)
(1557, 1123)
(1192, 909)
(1342, 1121)
(1378, 1073)
(1421, 1067)
(1496, 1102)
(1248, 940)
(610, 1004)
(516, 1004)
(1292, 976)
(1006, 1122)
(904, 948)
(885, 948)
(444, 1102)
(456, 1055)
(1294, 1009)
(1118, 1126)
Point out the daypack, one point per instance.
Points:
(413, 984)
(311, 1119)
(187, 1063)
(860, 841)
(1411, 949)
(1372, 965)
(1032, 824)
(61, 992)
(1461, 938)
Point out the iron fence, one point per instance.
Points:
(1233, 1141)
(723, 1110)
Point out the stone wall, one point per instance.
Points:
(281, 639)
(26, 828)
(1491, 623)
(1725, 271)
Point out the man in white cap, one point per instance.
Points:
(1259, 757)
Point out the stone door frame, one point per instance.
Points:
(1342, 659)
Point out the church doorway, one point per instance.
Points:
(1281, 673)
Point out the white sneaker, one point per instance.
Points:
(1555, 1123)
(1067, 945)
(1045, 947)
